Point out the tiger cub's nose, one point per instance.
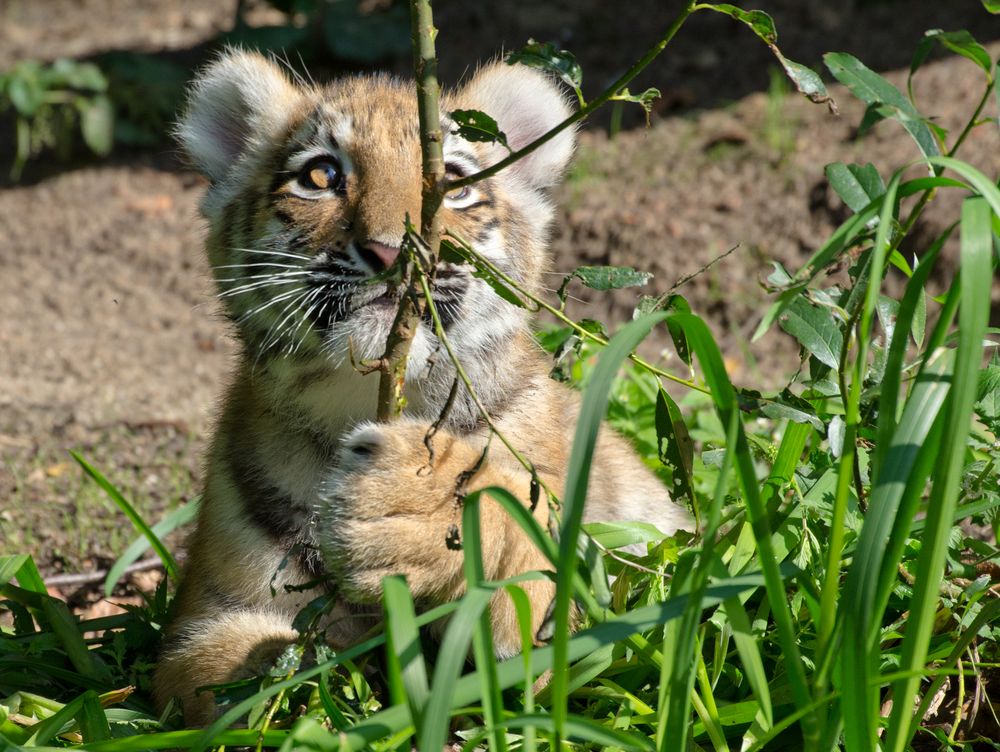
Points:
(378, 256)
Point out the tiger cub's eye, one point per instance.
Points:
(454, 172)
(321, 175)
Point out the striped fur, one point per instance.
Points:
(309, 185)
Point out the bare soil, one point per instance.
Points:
(111, 345)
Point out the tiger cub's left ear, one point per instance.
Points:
(525, 103)
(237, 104)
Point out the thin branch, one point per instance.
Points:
(585, 111)
(397, 347)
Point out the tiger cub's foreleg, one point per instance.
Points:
(390, 508)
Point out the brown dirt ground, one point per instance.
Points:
(111, 345)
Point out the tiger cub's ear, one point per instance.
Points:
(525, 103)
(236, 104)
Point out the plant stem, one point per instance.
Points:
(579, 330)
(392, 365)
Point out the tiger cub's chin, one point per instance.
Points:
(309, 190)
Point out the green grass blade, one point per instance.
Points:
(451, 658)
(584, 730)
(9, 567)
(748, 648)
(93, 721)
(709, 717)
(272, 739)
(65, 626)
(140, 524)
(685, 643)
(522, 608)
(793, 443)
(976, 278)
(889, 393)
(22, 567)
(591, 415)
(511, 672)
(62, 719)
(896, 482)
(482, 633)
(408, 671)
(177, 518)
(977, 180)
(308, 735)
(333, 714)
(726, 404)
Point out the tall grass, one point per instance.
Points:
(826, 602)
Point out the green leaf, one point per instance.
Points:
(674, 445)
(961, 43)
(474, 125)
(672, 303)
(547, 56)
(678, 304)
(789, 406)
(644, 100)
(761, 23)
(873, 89)
(25, 91)
(606, 278)
(66, 73)
(816, 330)
(857, 185)
(97, 124)
(992, 6)
(806, 80)
(613, 535)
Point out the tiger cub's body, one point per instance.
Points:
(309, 190)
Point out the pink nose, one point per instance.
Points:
(386, 254)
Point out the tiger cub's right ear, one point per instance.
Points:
(236, 104)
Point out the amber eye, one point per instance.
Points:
(322, 174)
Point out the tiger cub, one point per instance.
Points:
(309, 189)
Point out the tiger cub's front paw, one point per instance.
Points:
(388, 509)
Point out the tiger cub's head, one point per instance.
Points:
(311, 185)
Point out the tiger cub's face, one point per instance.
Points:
(311, 186)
